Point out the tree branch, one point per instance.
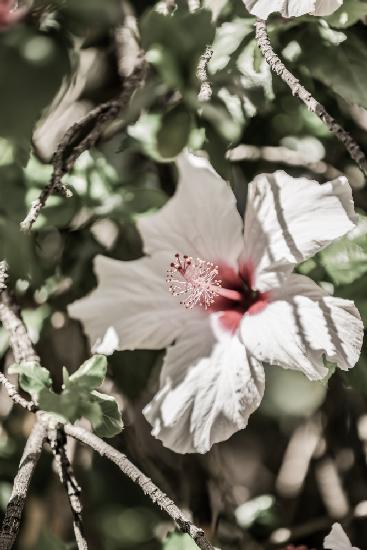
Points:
(282, 155)
(278, 67)
(19, 338)
(148, 487)
(65, 472)
(22, 480)
(80, 137)
(202, 73)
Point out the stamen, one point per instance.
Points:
(197, 279)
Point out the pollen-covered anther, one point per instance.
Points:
(195, 279)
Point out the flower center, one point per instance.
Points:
(197, 281)
(194, 279)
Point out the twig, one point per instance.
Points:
(80, 137)
(282, 155)
(202, 73)
(3, 275)
(19, 338)
(131, 471)
(14, 395)
(278, 67)
(22, 480)
(65, 472)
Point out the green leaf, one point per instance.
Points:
(29, 60)
(174, 132)
(350, 58)
(228, 39)
(178, 541)
(346, 260)
(110, 424)
(32, 377)
(348, 14)
(48, 542)
(90, 374)
(175, 43)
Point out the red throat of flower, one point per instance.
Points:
(197, 282)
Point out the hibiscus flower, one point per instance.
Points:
(222, 297)
(292, 8)
(337, 539)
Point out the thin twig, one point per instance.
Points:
(19, 338)
(3, 275)
(145, 483)
(202, 73)
(65, 472)
(80, 137)
(278, 67)
(22, 480)
(282, 155)
(15, 396)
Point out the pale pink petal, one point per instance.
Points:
(131, 306)
(337, 539)
(300, 325)
(292, 8)
(201, 220)
(290, 219)
(204, 400)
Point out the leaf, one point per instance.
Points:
(178, 541)
(348, 14)
(228, 39)
(32, 377)
(177, 42)
(90, 374)
(174, 132)
(29, 60)
(111, 422)
(48, 542)
(346, 260)
(350, 58)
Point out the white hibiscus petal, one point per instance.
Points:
(300, 324)
(292, 8)
(290, 219)
(132, 305)
(337, 539)
(200, 220)
(207, 401)
(327, 7)
(263, 8)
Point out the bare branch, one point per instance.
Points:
(80, 137)
(3, 275)
(15, 396)
(65, 472)
(282, 155)
(278, 67)
(19, 338)
(22, 480)
(149, 488)
(202, 73)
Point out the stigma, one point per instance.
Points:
(195, 280)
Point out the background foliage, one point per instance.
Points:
(240, 489)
